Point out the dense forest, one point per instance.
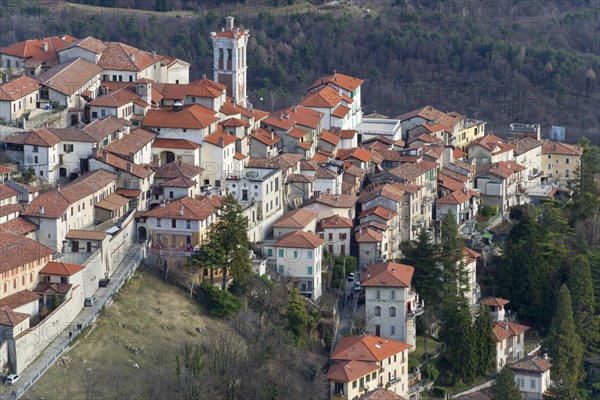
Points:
(532, 62)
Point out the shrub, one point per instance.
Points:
(221, 302)
(432, 373)
(438, 391)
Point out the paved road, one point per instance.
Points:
(63, 338)
(349, 309)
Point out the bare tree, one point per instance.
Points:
(91, 383)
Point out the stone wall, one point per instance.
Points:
(49, 119)
(3, 356)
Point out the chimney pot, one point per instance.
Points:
(181, 210)
(42, 210)
(153, 54)
(104, 156)
(45, 46)
(58, 187)
(129, 167)
(221, 141)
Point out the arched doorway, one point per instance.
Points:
(142, 234)
(62, 172)
(167, 157)
(74, 119)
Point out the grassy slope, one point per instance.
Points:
(106, 345)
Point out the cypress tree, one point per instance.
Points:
(505, 387)
(420, 253)
(584, 304)
(486, 342)
(297, 317)
(564, 343)
(451, 258)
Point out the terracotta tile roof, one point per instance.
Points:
(300, 240)
(335, 221)
(329, 137)
(61, 269)
(115, 99)
(11, 209)
(220, 139)
(18, 250)
(493, 143)
(259, 114)
(320, 157)
(503, 330)
(561, 148)
(129, 193)
(464, 165)
(434, 152)
(327, 97)
(7, 191)
(33, 49)
(236, 32)
(99, 129)
(68, 78)
(175, 144)
(89, 43)
(302, 116)
(122, 164)
(368, 235)
(354, 171)
(185, 208)
(346, 82)
(38, 137)
(367, 348)
(309, 165)
(470, 254)
(295, 219)
(526, 144)
(305, 145)
(340, 111)
(177, 169)
(10, 318)
(85, 234)
(299, 178)
(388, 274)
(296, 133)
(381, 394)
(52, 288)
(230, 108)
(194, 116)
(181, 182)
(411, 171)
(55, 203)
(455, 198)
(448, 178)
(350, 370)
(234, 123)
(122, 57)
(431, 114)
(335, 200)
(239, 156)
(378, 226)
(201, 88)
(379, 211)
(112, 202)
(348, 133)
(458, 153)
(18, 88)
(265, 137)
(325, 173)
(358, 153)
(532, 363)
(392, 191)
(20, 299)
(503, 169)
(494, 301)
(279, 122)
(19, 226)
(131, 143)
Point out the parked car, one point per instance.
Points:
(207, 188)
(357, 286)
(90, 301)
(351, 276)
(12, 379)
(103, 282)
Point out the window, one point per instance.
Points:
(532, 384)
(280, 252)
(270, 252)
(378, 311)
(331, 236)
(567, 161)
(549, 156)
(170, 194)
(309, 254)
(567, 173)
(378, 294)
(354, 384)
(280, 269)
(130, 78)
(343, 236)
(392, 311)
(392, 331)
(35, 159)
(188, 224)
(103, 113)
(158, 220)
(393, 294)
(309, 270)
(295, 254)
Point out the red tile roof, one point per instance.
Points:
(279, 122)
(470, 255)
(9, 317)
(380, 211)
(194, 116)
(300, 239)
(335, 200)
(411, 171)
(503, 330)
(350, 370)
(503, 169)
(381, 394)
(18, 250)
(302, 116)
(340, 111)
(346, 82)
(61, 269)
(129, 193)
(175, 144)
(131, 143)
(19, 299)
(220, 139)
(388, 274)
(265, 137)
(85, 234)
(368, 235)
(177, 169)
(532, 363)
(327, 97)
(18, 88)
(68, 78)
(7, 191)
(392, 191)
(335, 221)
(358, 153)
(295, 219)
(200, 88)
(119, 163)
(34, 51)
(115, 99)
(296, 133)
(18, 226)
(122, 57)
(89, 43)
(367, 348)
(234, 123)
(329, 137)
(526, 144)
(112, 202)
(458, 153)
(493, 143)
(455, 198)
(561, 148)
(494, 301)
(348, 133)
(185, 208)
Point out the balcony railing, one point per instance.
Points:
(415, 312)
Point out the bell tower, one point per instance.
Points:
(229, 59)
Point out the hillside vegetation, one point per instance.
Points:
(534, 62)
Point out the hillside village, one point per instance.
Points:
(111, 147)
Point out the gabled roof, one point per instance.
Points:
(265, 137)
(177, 169)
(494, 301)
(9, 317)
(85, 234)
(115, 99)
(131, 143)
(335, 221)
(99, 129)
(33, 49)
(470, 254)
(526, 144)
(233, 122)
(411, 171)
(358, 153)
(392, 191)
(340, 111)
(302, 116)
(493, 144)
(193, 116)
(457, 197)
(61, 269)
(200, 88)
(379, 211)
(368, 235)
(18, 250)
(532, 364)
(299, 178)
(503, 330)
(561, 148)
(18, 226)
(327, 97)
(335, 200)
(325, 173)
(89, 43)
(220, 139)
(349, 371)
(175, 144)
(279, 122)
(7, 191)
(388, 274)
(122, 57)
(367, 348)
(19, 299)
(346, 82)
(122, 164)
(69, 77)
(184, 208)
(18, 88)
(52, 288)
(43, 137)
(181, 182)
(112, 202)
(329, 137)
(502, 169)
(300, 239)
(295, 219)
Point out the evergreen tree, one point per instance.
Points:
(421, 254)
(584, 304)
(485, 349)
(505, 387)
(451, 258)
(297, 317)
(229, 240)
(564, 343)
(585, 200)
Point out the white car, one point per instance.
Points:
(12, 379)
(350, 276)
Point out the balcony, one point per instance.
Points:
(427, 200)
(415, 312)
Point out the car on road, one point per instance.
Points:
(350, 276)
(90, 301)
(12, 379)
(103, 282)
(357, 286)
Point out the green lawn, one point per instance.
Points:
(432, 348)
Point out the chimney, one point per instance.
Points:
(203, 76)
(272, 136)
(153, 54)
(162, 203)
(58, 187)
(129, 167)
(45, 46)
(360, 231)
(131, 156)
(42, 210)
(229, 22)
(104, 156)
(545, 356)
(209, 195)
(94, 152)
(181, 210)
(221, 141)
(132, 57)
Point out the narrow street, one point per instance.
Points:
(349, 308)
